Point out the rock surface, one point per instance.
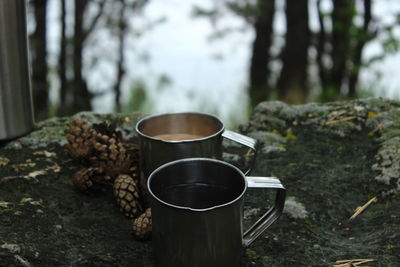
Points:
(332, 158)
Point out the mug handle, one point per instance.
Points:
(243, 140)
(272, 214)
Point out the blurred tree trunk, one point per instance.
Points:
(62, 62)
(342, 21)
(38, 47)
(292, 83)
(364, 36)
(121, 49)
(259, 69)
(342, 25)
(321, 47)
(82, 97)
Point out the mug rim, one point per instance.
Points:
(175, 162)
(147, 118)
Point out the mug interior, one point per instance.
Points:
(197, 184)
(182, 125)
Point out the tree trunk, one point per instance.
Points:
(292, 87)
(342, 21)
(62, 62)
(259, 69)
(82, 96)
(363, 38)
(321, 47)
(38, 46)
(121, 50)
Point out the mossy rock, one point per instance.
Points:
(332, 158)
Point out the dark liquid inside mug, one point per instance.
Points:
(197, 212)
(197, 195)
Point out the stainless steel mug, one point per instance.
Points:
(197, 212)
(16, 109)
(172, 136)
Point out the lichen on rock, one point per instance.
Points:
(387, 158)
(295, 209)
(52, 131)
(331, 157)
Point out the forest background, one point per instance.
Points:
(221, 57)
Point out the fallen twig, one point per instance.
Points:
(4, 204)
(340, 120)
(30, 176)
(353, 262)
(4, 161)
(358, 210)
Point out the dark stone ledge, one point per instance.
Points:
(332, 158)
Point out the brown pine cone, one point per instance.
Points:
(127, 195)
(79, 138)
(133, 151)
(141, 226)
(91, 180)
(134, 173)
(144, 190)
(110, 154)
(109, 129)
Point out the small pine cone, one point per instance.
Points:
(79, 138)
(110, 153)
(133, 151)
(141, 226)
(127, 195)
(91, 180)
(134, 170)
(144, 190)
(134, 173)
(108, 129)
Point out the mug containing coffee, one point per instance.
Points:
(197, 212)
(167, 137)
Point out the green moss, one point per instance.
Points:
(6, 210)
(390, 246)
(275, 131)
(265, 259)
(290, 136)
(251, 254)
(372, 114)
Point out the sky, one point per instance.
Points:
(206, 76)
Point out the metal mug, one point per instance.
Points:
(167, 137)
(197, 212)
(16, 109)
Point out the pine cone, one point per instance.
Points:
(144, 190)
(127, 195)
(91, 180)
(110, 153)
(141, 226)
(134, 172)
(108, 129)
(134, 152)
(79, 138)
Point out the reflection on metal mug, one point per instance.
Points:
(16, 107)
(167, 137)
(197, 212)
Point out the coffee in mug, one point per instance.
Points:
(167, 137)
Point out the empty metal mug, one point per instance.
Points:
(197, 212)
(16, 109)
(172, 136)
